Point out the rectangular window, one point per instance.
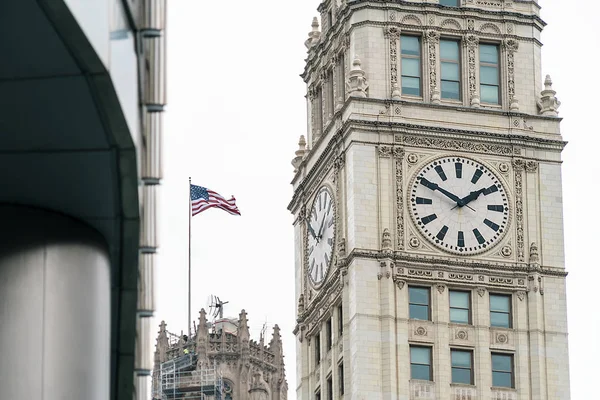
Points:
(462, 366)
(330, 99)
(318, 396)
(502, 370)
(341, 82)
(317, 348)
(450, 65)
(500, 310)
(450, 3)
(329, 334)
(420, 363)
(329, 389)
(410, 50)
(340, 320)
(341, 377)
(460, 307)
(489, 73)
(418, 303)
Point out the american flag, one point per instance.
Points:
(203, 199)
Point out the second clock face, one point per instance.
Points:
(321, 233)
(459, 205)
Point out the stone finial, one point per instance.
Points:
(534, 256)
(314, 35)
(386, 240)
(357, 81)
(243, 330)
(548, 103)
(299, 153)
(162, 342)
(300, 304)
(275, 345)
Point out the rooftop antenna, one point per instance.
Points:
(215, 306)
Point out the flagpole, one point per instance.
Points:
(190, 259)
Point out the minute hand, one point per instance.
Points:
(435, 186)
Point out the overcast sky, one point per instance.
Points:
(235, 111)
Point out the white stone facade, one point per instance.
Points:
(369, 147)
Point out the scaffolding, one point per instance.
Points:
(178, 379)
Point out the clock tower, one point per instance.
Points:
(429, 249)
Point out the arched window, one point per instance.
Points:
(227, 390)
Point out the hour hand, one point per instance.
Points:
(312, 231)
(470, 197)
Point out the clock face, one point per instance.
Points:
(320, 233)
(459, 205)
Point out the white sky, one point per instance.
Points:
(235, 111)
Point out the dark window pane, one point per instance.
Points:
(450, 90)
(489, 75)
(420, 355)
(461, 358)
(419, 312)
(449, 50)
(450, 71)
(410, 45)
(499, 303)
(459, 316)
(418, 295)
(500, 320)
(489, 94)
(459, 299)
(488, 53)
(411, 67)
(450, 3)
(501, 379)
(420, 372)
(501, 362)
(411, 86)
(460, 375)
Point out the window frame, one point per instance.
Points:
(430, 365)
(340, 315)
(318, 395)
(446, 5)
(341, 377)
(471, 369)
(469, 309)
(498, 74)
(428, 288)
(458, 63)
(418, 57)
(329, 333)
(510, 310)
(329, 388)
(512, 369)
(317, 341)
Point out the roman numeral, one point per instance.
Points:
(461, 239)
(331, 221)
(314, 213)
(440, 172)
(320, 201)
(458, 167)
(326, 259)
(476, 175)
(442, 233)
(498, 208)
(490, 190)
(329, 206)
(330, 243)
(428, 219)
(320, 271)
(478, 236)
(422, 200)
(492, 225)
(312, 248)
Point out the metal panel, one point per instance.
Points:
(146, 300)
(154, 16)
(148, 234)
(155, 89)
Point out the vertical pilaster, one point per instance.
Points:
(471, 44)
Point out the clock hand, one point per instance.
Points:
(312, 231)
(435, 186)
(322, 224)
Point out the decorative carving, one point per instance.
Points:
(342, 248)
(420, 272)
(502, 281)
(501, 338)
(412, 158)
(511, 46)
(521, 295)
(506, 251)
(414, 242)
(384, 151)
(520, 282)
(449, 144)
(440, 274)
(491, 28)
(503, 167)
(393, 34)
(357, 82)
(518, 166)
(400, 283)
(421, 331)
(411, 20)
(433, 38)
(548, 103)
(392, 16)
(531, 166)
(299, 155)
(440, 288)
(461, 277)
(480, 291)
(386, 239)
(534, 256)
(461, 334)
(301, 304)
(398, 157)
(451, 24)
(314, 35)
(481, 278)
(472, 42)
